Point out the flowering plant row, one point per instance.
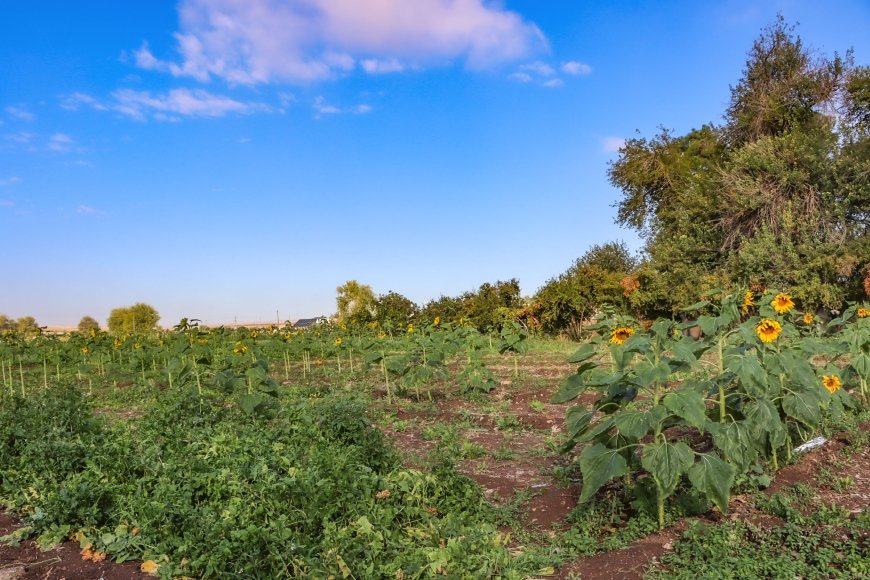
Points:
(656, 407)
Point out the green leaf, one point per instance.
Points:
(687, 404)
(250, 402)
(696, 306)
(666, 462)
(766, 425)
(683, 351)
(598, 464)
(647, 373)
(714, 478)
(602, 427)
(577, 420)
(571, 389)
(736, 443)
(583, 353)
(805, 407)
(633, 424)
(752, 376)
(861, 364)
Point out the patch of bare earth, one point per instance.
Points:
(64, 562)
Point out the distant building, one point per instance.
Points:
(304, 323)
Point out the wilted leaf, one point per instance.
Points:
(714, 478)
(598, 464)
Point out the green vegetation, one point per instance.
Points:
(139, 318)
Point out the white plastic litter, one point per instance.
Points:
(811, 444)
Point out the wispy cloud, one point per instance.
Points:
(60, 142)
(375, 66)
(575, 68)
(548, 75)
(321, 107)
(169, 106)
(6, 203)
(76, 101)
(89, 210)
(20, 112)
(20, 138)
(262, 41)
(10, 181)
(612, 144)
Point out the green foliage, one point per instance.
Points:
(488, 308)
(355, 302)
(564, 303)
(392, 310)
(139, 318)
(766, 395)
(88, 324)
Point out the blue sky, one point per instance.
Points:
(222, 159)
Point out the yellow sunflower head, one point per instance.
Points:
(620, 335)
(832, 383)
(768, 330)
(382, 335)
(84, 350)
(747, 301)
(437, 321)
(863, 312)
(808, 318)
(410, 328)
(338, 341)
(782, 303)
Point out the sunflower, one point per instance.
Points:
(410, 328)
(782, 303)
(338, 341)
(254, 334)
(863, 312)
(382, 335)
(747, 301)
(808, 318)
(620, 335)
(832, 383)
(437, 321)
(768, 330)
(84, 350)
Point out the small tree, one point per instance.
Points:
(131, 319)
(394, 309)
(87, 324)
(355, 302)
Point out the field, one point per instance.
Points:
(434, 450)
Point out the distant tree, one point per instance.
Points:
(6, 324)
(394, 310)
(492, 305)
(355, 302)
(26, 327)
(599, 277)
(139, 318)
(87, 324)
(446, 308)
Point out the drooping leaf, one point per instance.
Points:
(582, 354)
(666, 462)
(577, 420)
(687, 404)
(633, 424)
(714, 478)
(571, 389)
(602, 427)
(736, 443)
(803, 406)
(249, 403)
(598, 464)
(750, 372)
(766, 426)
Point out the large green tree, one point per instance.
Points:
(137, 319)
(355, 302)
(777, 196)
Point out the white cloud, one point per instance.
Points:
(20, 113)
(612, 144)
(538, 68)
(322, 108)
(554, 83)
(10, 181)
(378, 66)
(22, 137)
(177, 103)
(60, 142)
(261, 41)
(520, 77)
(576, 68)
(77, 100)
